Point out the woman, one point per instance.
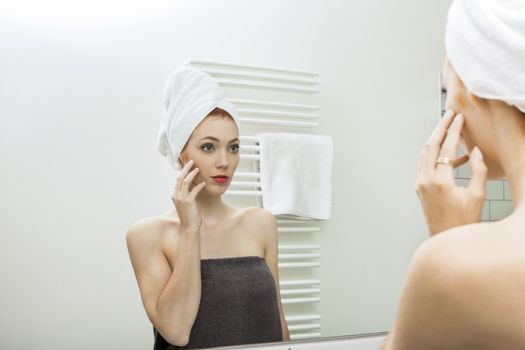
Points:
(207, 272)
(465, 287)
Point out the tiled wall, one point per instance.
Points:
(498, 199)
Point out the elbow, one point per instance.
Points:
(175, 328)
(181, 339)
(175, 336)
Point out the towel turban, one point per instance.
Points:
(189, 96)
(485, 42)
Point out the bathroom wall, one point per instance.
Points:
(80, 103)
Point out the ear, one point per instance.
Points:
(181, 159)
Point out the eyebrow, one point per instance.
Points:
(217, 140)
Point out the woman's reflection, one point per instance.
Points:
(207, 272)
(464, 287)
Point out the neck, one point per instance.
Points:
(212, 208)
(509, 150)
(516, 176)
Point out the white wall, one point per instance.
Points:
(80, 103)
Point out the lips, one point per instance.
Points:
(220, 179)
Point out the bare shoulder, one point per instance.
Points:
(454, 273)
(476, 247)
(261, 225)
(259, 219)
(150, 231)
(144, 229)
(255, 214)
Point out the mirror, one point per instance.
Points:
(81, 103)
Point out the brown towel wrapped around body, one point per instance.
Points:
(238, 305)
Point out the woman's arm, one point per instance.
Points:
(171, 298)
(269, 224)
(170, 294)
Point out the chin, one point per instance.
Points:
(216, 190)
(495, 175)
(494, 170)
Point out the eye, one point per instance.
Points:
(234, 148)
(207, 147)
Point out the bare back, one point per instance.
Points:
(465, 288)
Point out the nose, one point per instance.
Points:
(222, 161)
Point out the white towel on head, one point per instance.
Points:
(296, 174)
(485, 42)
(189, 96)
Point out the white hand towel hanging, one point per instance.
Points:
(296, 174)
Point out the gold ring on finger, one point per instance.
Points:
(445, 160)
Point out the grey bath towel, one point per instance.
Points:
(238, 305)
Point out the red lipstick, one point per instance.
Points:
(220, 179)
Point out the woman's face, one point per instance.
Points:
(214, 147)
(477, 122)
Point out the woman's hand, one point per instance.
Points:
(184, 199)
(446, 205)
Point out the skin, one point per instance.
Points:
(166, 250)
(464, 287)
